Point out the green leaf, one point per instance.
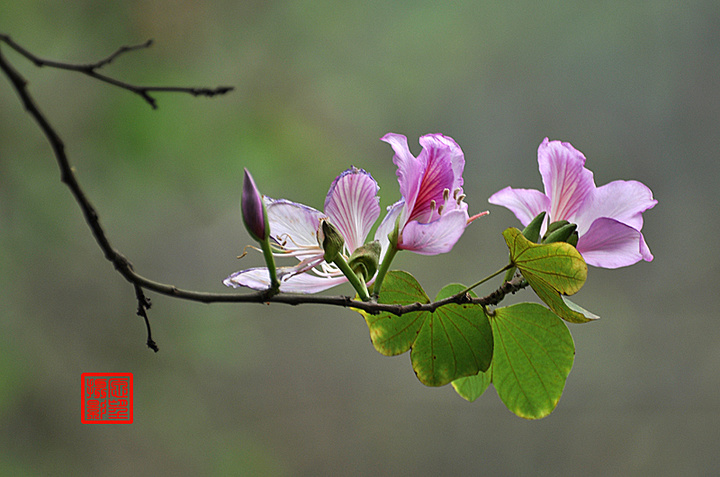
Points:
(533, 356)
(472, 387)
(454, 341)
(391, 334)
(551, 270)
(451, 342)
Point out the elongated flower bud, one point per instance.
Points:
(532, 231)
(330, 240)
(253, 210)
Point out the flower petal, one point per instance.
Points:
(388, 225)
(258, 279)
(452, 152)
(353, 206)
(435, 237)
(566, 180)
(409, 169)
(294, 226)
(612, 244)
(624, 201)
(524, 203)
(442, 161)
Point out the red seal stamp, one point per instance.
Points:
(107, 398)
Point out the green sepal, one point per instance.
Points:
(364, 260)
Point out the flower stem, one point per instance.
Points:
(506, 267)
(384, 267)
(270, 262)
(357, 283)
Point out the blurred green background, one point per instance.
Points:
(278, 390)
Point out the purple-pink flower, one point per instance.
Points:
(609, 218)
(431, 216)
(351, 205)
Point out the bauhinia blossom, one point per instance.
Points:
(431, 216)
(351, 206)
(609, 218)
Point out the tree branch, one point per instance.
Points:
(123, 265)
(90, 69)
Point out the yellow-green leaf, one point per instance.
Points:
(552, 270)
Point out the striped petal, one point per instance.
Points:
(567, 182)
(353, 206)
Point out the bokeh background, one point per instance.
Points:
(278, 390)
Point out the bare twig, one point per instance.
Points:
(143, 306)
(90, 69)
(123, 265)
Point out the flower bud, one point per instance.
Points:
(253, 210)
(532, 231)
(330, 240)
(553, 227)
(561, 234)
(573, 239)
(364, 260)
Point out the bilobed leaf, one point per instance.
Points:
(391, 334)
(551, 270)
(451, 342)
(454, 341)
(533, 355)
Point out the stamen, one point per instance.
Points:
(446, 195)
(477, 216)
(460, 198)
(244, 252)
(440, 209)
(432, 205)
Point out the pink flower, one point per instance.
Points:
(351, 206)
(431, 216)
(609, 218)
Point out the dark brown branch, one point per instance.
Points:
(125, 268)
(143, 306)
(90, 69)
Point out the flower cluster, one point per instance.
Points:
(429, 219)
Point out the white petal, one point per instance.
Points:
(294, 226)
(259, 279)
(353, 206)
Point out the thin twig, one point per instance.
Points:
(90, 69)
(144, 305)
